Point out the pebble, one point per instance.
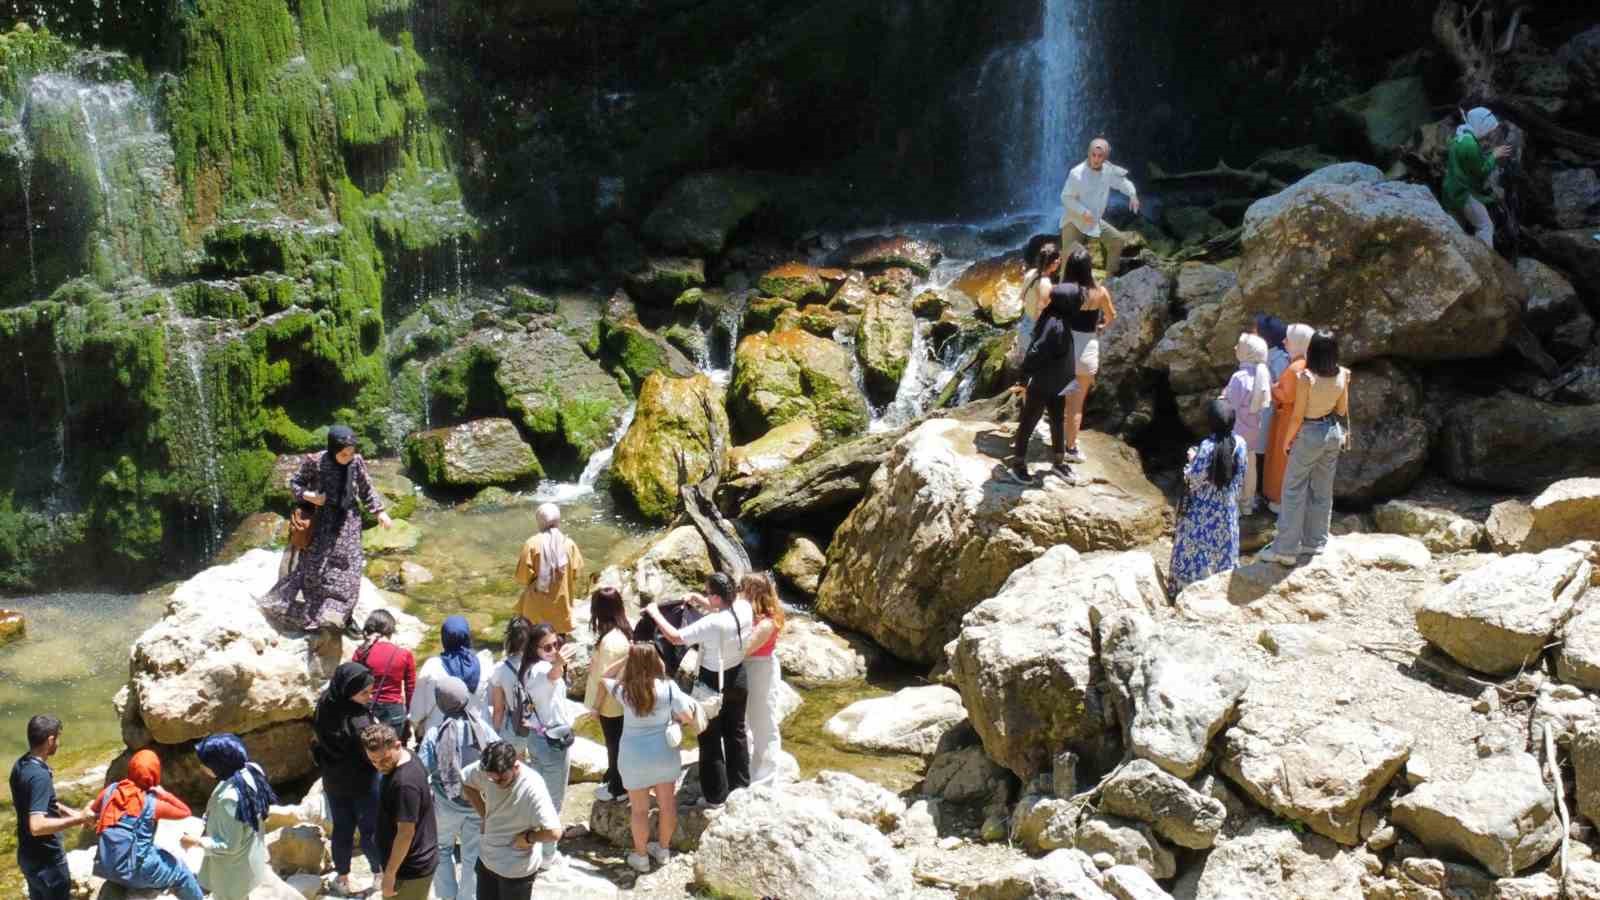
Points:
(949, 843)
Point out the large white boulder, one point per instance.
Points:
(911, 720)
(1499, 617)
(1503, 815)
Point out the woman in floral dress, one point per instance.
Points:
(1207, 539)
(322, 588)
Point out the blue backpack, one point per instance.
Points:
(120, 846)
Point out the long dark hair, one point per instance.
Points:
(517, 631)
(1220, 417)
(1049, 255)
(607, 613)
(1080, 269)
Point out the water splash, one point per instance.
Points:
(599, 462)
(205, 447)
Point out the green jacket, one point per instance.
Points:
(1466, 173)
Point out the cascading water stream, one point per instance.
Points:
(205, 446)
(24, 154)
(58, 501)
(599, 462)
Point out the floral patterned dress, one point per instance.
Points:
(1207, 539)
(322, 588)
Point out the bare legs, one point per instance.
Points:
(1077, 393)
(666, 796)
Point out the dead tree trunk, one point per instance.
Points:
(727, 548)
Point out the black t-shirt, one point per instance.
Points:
(33, 790)
(406, 797)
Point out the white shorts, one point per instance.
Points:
(1086, 353)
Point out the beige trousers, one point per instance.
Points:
(1111, 241)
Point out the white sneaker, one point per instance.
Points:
(658, 853)
(1281, 559)
(1075, 455)
(603, 794)
(639, 862)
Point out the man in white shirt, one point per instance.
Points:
(723, 638)
(517, 817)
(1083, 204)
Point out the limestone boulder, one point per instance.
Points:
(1321, 251)
(1267, 860)
(674, 565)
(635, 351)
(884, 343)
(609, 819)
(814, 654)
(966, 776)
(800, 564)
(558, 394)
(1515, 443)
(1508, 525)
(677, 420)
(701, 210)
(788, 375)
(659, 280)
(299, 848)
(938, 531)
(1564, 512)
(1143, 299)
(1586, 769)
(764, 842)
(1024, 659)
(1061, 873)
(1041, 823)
(1131, 883)
(1440, 529)
(1127, 843)
(800, 283)
(1498, 618)
(1578, 661)
(912, 720)
(214, 663)
(853, 798)
(881, 252)
(774, 450)
(473, 454)
(819, 490)
(1503, 815)
(1555, 311)
(1141, 791)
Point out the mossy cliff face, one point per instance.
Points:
(198, 277)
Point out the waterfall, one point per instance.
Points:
(204, 445)
(599, 462)
(58, 477)
(25, 179)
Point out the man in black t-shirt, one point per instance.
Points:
(408, 837)
(40, 819)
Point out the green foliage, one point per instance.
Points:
(24, 53)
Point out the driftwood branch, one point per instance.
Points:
(727, 548)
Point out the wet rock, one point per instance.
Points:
(1378, 123)
(1140, 791)
(1503, 815)
(800, 283)
(636, 351)
(676, 419)
(911, 720)
(815, 319)
(765, 842)
(556, 392)
(400, 537)
(1266, 861)
(1128, 843)
(821, 489)
(875, 254)
(1498, 618)
(1024, 659)
(883, 344)
(814, 654)
(1174, 688)
(938, 531)
(995, 285)
(701, 210)
(801, 564)
(1440, 529)
(764, 314)
(774, 450)
(929, 304)
(12, 626)
(659, 280)
(790, 375)
(474, 454)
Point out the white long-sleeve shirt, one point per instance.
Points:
(1084, 196)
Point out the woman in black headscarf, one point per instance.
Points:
(348, 778)
(322, 588)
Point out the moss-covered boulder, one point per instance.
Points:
(800, 283)
(763, 313)
(874, 254)
(473, 454)
(635, 351)
(883, 344)
(816, 318)
(661, 280)
(788, 375)
(558, 394)
(701, 210)
(1378, 123)
(676, 419)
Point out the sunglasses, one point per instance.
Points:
(551, 645)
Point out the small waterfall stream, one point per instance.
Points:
(600, 461)
(24, 153)
(199, 427)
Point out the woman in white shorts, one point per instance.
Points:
(1096, 315)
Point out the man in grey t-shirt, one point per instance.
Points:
(517, 817)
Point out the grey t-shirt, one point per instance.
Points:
(508, 812)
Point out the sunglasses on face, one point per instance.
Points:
(548, 646)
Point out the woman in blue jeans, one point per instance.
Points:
(348, 778)
(1319, 428)
(543, 676)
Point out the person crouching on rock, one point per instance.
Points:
(322, 589)
(1468, 167)
(1048, 365)
(234, 846)
(348, 778)
(549, 566)
(1207, 537)
(126, 814)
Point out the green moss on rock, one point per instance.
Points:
(675, 417)
(788, 375)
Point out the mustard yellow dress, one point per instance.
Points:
(554, 605)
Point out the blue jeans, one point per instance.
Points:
(186, 887)
(348, 814)
(1307, 508)
(455, 824)
(49, 882)
(554, 766)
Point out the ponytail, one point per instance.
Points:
(1225, 442)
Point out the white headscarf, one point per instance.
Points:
(1252, 351)
(1477, 122)
(552, 545)
(1298, 339)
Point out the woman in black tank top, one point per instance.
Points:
(1095, 315)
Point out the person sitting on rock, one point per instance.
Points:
(1083, 204)
(234, 844)
(126, 814)
(1207, 538)
(549, 566)
(1048, 366)
(1471, 161)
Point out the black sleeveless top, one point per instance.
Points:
(1086, 320)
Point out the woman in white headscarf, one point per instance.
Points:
(549, 567)
(1467, 168)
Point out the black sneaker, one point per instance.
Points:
(1064, 472)
(1018, 473)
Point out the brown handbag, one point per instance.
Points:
(301, 524)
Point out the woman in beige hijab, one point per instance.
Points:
(549, 568)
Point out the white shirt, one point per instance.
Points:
(547, 695)
(507, 812)
(1084, 196)
(424, 712)
(722, 638)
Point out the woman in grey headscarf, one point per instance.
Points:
(321, 590)
(447, 748)
(549, 567)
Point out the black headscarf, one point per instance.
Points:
(333, 721)
(340, 488)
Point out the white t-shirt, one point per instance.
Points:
(424, 713)
(722, 639)
(508, 812)
(548, 696)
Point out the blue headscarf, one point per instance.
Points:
(458, 657)
(225, 756)
(1272, 330)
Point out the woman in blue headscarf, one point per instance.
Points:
(234, 845)
(456, 660)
